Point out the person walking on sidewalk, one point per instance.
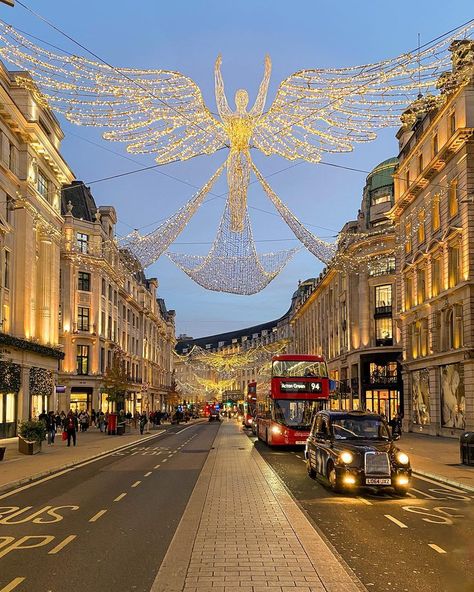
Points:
(143, 422)
(71, 426)
(396, 424)
(50, 427)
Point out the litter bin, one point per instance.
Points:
(467, 448)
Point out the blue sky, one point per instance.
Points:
(187, 36)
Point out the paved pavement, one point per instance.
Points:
(242, 532)
(438, 458)
(18, 468)
(105, 525)
(423, 542)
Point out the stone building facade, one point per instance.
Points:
(32, 172)
(346, 313)
(434, 201)
(108, 308)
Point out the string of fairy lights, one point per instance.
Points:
(315, 111)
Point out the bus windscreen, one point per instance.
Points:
(293, 368)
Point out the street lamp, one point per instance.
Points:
(9, 2)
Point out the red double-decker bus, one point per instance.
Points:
(299, 388)
(250, 405)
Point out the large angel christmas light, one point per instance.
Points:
(315, 111)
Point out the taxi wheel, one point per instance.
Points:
(332, 477)
(310, 470)
(401, 491)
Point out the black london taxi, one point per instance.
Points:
(350, 449)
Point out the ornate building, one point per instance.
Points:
(434, 197)
(32, 172)
(108, 309)
(346, 313)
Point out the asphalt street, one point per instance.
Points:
(420, 543)
(105, 525)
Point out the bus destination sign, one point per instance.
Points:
(301, 387)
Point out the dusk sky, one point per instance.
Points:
(187, 36)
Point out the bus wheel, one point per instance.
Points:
(310, 470)
(332, 477)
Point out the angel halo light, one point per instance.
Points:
(315, 111)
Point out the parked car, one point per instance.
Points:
(350, 449)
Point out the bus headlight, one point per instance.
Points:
(402, 458)
(276, 430)
(250, 420)
(346, 457)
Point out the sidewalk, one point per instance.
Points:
(437, 458)
(242, 532)
(17, 468)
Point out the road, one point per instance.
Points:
(105, 525)
(420, 543)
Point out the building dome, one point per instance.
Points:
(382, 174)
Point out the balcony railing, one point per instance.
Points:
(384, 342)
(383, 311)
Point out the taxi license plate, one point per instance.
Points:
(372, 481)
(300, 442)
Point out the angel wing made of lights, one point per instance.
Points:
(315, 111)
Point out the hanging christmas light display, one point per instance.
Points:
(315, 110)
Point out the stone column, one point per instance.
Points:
(44, 294)
(364, 305)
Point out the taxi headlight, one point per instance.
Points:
(346, 457)
(402, 458)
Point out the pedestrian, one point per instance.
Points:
(71, 426)
(143, 422)
(93, 417)
(396, 424)
(50, 427)
(100, 420)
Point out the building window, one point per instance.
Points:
(454, 262)
(435, 213)
(408, 292)
(457, 332)
(83, 318)
(421, 227)
(84, 281)
(110, 293)
(408, 242)
(452, 123)
(383, 299)
(434, 144)
(383, 331)
(102, 323)
(420, 163)
(82, 242)
(6, 269)
(83, 359)
(104, 288)
(453, 198)
(42, 184)
(408, 179)
(102, 359)
(9, 209)
(381, 266)
(421, 286)
(436, 276)
(381, 198)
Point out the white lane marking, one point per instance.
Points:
(181, 431)
(169, 455)
(395, 521)
(436, 548)
(136, 484)
(438, 483)
(76, 466)
(427, 495)
(297, 455)
(12, 585)
(147, 474)
(157, 466)
(62, 544)
(97, 516)
(119, 497)
(410, 495)
(164, 460)
(364, 501)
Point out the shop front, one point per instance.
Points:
(81, 399)
(41, 389)
(381, 381)
(10, 382)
